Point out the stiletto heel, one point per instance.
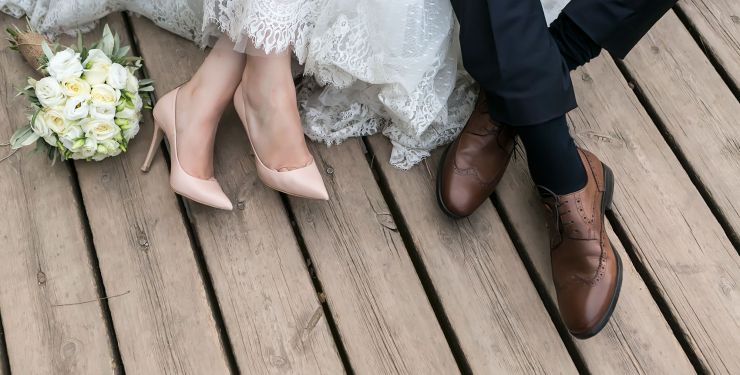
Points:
(156, 141)
(304, 182)
(204, 191)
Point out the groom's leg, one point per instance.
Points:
(585, 26)
(508, 49)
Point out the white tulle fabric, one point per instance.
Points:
(389, 66)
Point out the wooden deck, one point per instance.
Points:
(105, 270)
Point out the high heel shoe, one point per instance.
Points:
(304, 182)
(207, 192)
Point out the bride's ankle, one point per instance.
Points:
(259, 94)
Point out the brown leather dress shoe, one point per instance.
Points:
(474, 164)
(586, 271)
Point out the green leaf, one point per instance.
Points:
(107, 44)
(23, 137)
(123, 51)
(80, 45)
(146, 89)
(146, 81)
(47, 50)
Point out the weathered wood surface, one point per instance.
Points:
(669, 226)
(698, 110)
(718, 24)
(163, 323)
(45, 258)
(4, 365)
(385, 320)
(487, 295)
(271, 311)
(637, 339)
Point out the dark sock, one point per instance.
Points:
(575, 45)
(552, 156)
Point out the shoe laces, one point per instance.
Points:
(557, 207)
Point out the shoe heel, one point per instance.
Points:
(608, 188)
(153, 147)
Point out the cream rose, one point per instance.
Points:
(107, 148)
(117, 76)
(40, 127)
(73, 138)
(104, 95)
(132, 83)
(100, 130)
(97, 74)
(65, 64)
(54, 120)
(50, 92)
(87, 150)
(131, 129)
(76, 108)
(75, 86)
(96, 56)
(102, 112)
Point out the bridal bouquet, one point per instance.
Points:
(88, 103)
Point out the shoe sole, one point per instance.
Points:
(440, 201)
(606, 203)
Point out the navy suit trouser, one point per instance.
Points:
(508, 49)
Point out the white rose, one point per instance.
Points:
(102, 112)
(96, 56)
(138, 102)
(76, 108)
(117, 76)
(128, 114)
(131, 129)
(73, 138)
(54, 120)
(50, 93)
(65, 64)
(97, 73)
(104, 95)
(87, 150)
(100, 130)
(132, 83)
(74, 86)
(40, 127)
(107, 148)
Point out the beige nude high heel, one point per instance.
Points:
(207, 192)
(304, 182)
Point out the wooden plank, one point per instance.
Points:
(45, 255)
(718, 24)
(385, 320)
(164, 323)
(487, 295)
(4, 365)
(669, 226)
(271, 310)
(637, 339)
(697, 109)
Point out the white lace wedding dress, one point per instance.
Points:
(389, 66)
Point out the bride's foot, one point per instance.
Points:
(197, 122)
(269, 97)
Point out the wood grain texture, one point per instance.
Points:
(718, 24)
(45, 258)
(271, 310)
(698, 110)
(637, 339)
(486, 293)
(382, 313)
(671, 230)
(164, 324)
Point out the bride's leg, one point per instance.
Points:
(269, 96)
(200, 104)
